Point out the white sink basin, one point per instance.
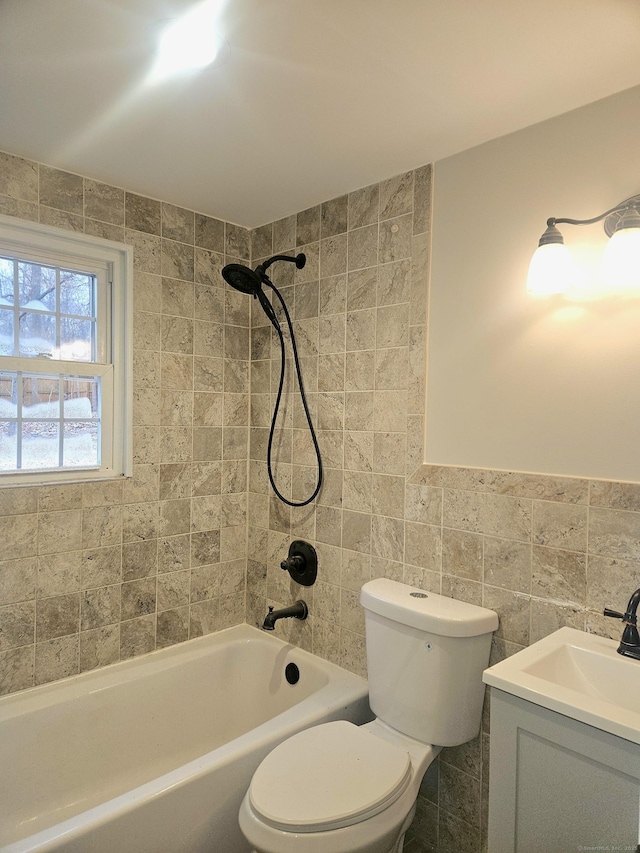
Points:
(579, 675)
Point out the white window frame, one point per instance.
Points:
(112, 264)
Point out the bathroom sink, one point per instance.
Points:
(579, 675)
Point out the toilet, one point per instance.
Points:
(342, 788)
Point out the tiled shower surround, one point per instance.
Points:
(98, 572)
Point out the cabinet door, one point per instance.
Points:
(557, 785)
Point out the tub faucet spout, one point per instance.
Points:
(299, 610)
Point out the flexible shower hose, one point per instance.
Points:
(278, 399)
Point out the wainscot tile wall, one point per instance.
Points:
(95, 573)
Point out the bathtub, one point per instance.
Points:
(154, 755)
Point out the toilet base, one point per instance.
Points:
(383, 833)
(397, 848)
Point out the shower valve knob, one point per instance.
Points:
(297, 562)
(301, 563)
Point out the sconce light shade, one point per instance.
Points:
(551, 269)
(620, 268)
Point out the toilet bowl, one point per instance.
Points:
(342, 788)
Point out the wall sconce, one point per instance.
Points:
(552, 269)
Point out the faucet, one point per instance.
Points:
(299, 610)
(630, 642)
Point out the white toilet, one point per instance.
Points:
(341, 788)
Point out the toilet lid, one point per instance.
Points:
(329, 776)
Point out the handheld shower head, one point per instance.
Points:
(242, 278)
(250, 281)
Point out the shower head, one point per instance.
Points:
(242, 278)
(250, 281)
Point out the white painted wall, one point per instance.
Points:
(520, 383)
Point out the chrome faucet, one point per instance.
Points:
(299, 610)
(630, 642)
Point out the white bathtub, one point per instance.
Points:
(154, 755)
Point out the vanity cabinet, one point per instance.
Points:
(558, 785)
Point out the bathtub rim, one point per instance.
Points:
(42, 695)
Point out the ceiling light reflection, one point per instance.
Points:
(190, 42)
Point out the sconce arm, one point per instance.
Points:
(632, 203)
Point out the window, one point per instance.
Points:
(65, 355)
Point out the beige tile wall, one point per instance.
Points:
(542, 551)
(94, 573)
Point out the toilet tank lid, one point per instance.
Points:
(426, 611)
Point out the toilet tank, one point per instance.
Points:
(425, 658)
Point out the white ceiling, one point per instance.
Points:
(317, 97)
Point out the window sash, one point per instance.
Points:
(112, 264)
(61, 370)
(61, 261)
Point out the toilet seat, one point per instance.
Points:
(328, 777)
